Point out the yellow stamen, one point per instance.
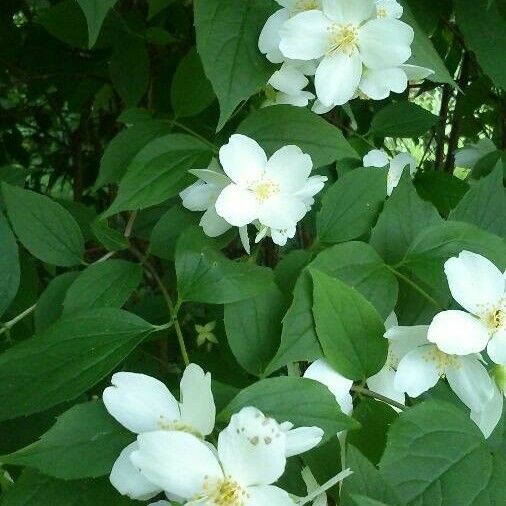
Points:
(306, 5)
(441, 359)
(225, 492)
(265, 190)
(342, 39)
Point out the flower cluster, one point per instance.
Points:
(450, 347)
(171, 454)
(273, 194)
(351, 47)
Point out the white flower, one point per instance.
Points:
(420, 369)
(144, 404)
(249, 458)
(467, 156)
(479, 287)
(160, 503)
(388, 9)
(347, 37)
(378, 158)
(269, 40)
(273, 191)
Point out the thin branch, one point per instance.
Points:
(8, 325)
(379, 397)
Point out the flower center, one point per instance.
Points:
(225, 492)
(177, 425)
(441, 359)
(495, 319)
(306, 5)
(381, 12)
(342, 38)
(265, 189)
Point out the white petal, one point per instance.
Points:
(496, 348)
(416, 73)
(402, 340)
(281, 211)
(416, 372)
(139, 402)
(160, 503)
(385, 43)
(177, 462)
(458, 333)
(383, 383)
(199, 196)
(269, 40)
(340, 386)
(391, 321)
(280, 237)
(252, 448)
(488, 418)
(402, 160)
(213, 224)
(268, 495)
(289, 167)
(474, 281)
(128, 480)
(389, 8)
(289, 79)
(313, 185)
(243, 160)
(377, 84)
(337, 78)
(197, 402)
(243, 235)
(305, 36)
(213, 177)
(349, 12)
(469, 379)
(300, 99)
(237, 206)
(376, 158)
(302, 439)
(319, 108)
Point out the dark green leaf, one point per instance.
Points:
(112, 239)
(9, 265)
(95, 12)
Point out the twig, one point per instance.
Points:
(379, 397)
(8, 325)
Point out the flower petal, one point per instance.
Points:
(474, 281)
(139, 402)
(199, 196)
(290, 168)
(269, 39)
(377, 84)
(416, 73)
(177, 462)
(321, 371)
(243, 235)
(197, 402)
(289, 79)
(313, 185)
(488, 418)
(302, 439)
(458, 333)
(376, 158)
(252, 448)
(391, 321)
(403, 339)
(469, 379)
(280, 237)
(416, 373)
(383, 383)
(389, 8)
(305, 36)
(496, 348)
(237, 206)
(385, 43)
(213, 224)
(243, 160)
(337, 78)
(346, 12)
(128, 480)
(281, 211)
(268, 494)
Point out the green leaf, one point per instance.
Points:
(104, 284)
(122, 149)
(158, 172)
(484, 205)
(362, 500)
(402, 119)
(50, 304)
(301, 401)
(253, 329)
(206, 275)
(365, 480)
(66, 359)
(9, 265)
(423, 52)
(129, 69)
(227, 41)
(84, 443)
(190, 92)
(46, 230)
(484, 31)
(350, 207)
(404, 215)
(348, 327)
(431, 448)
(275, 127)
(95, 12)
(112, 239)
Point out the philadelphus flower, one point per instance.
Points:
(378, 158)
(251, 455)
(479, 287)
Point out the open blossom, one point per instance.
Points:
(479, 287)
(378, 158)
(250, 457)
(388, 9)
(347, 37)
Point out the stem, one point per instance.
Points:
(179, 334)
(195, 134)
(130, 224)
(416, 287)
(379, 397)
(326, 486)
(8, 325)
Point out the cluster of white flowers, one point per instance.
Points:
(273, 194)
(171, 454)
(450, 347)
(351, 47)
